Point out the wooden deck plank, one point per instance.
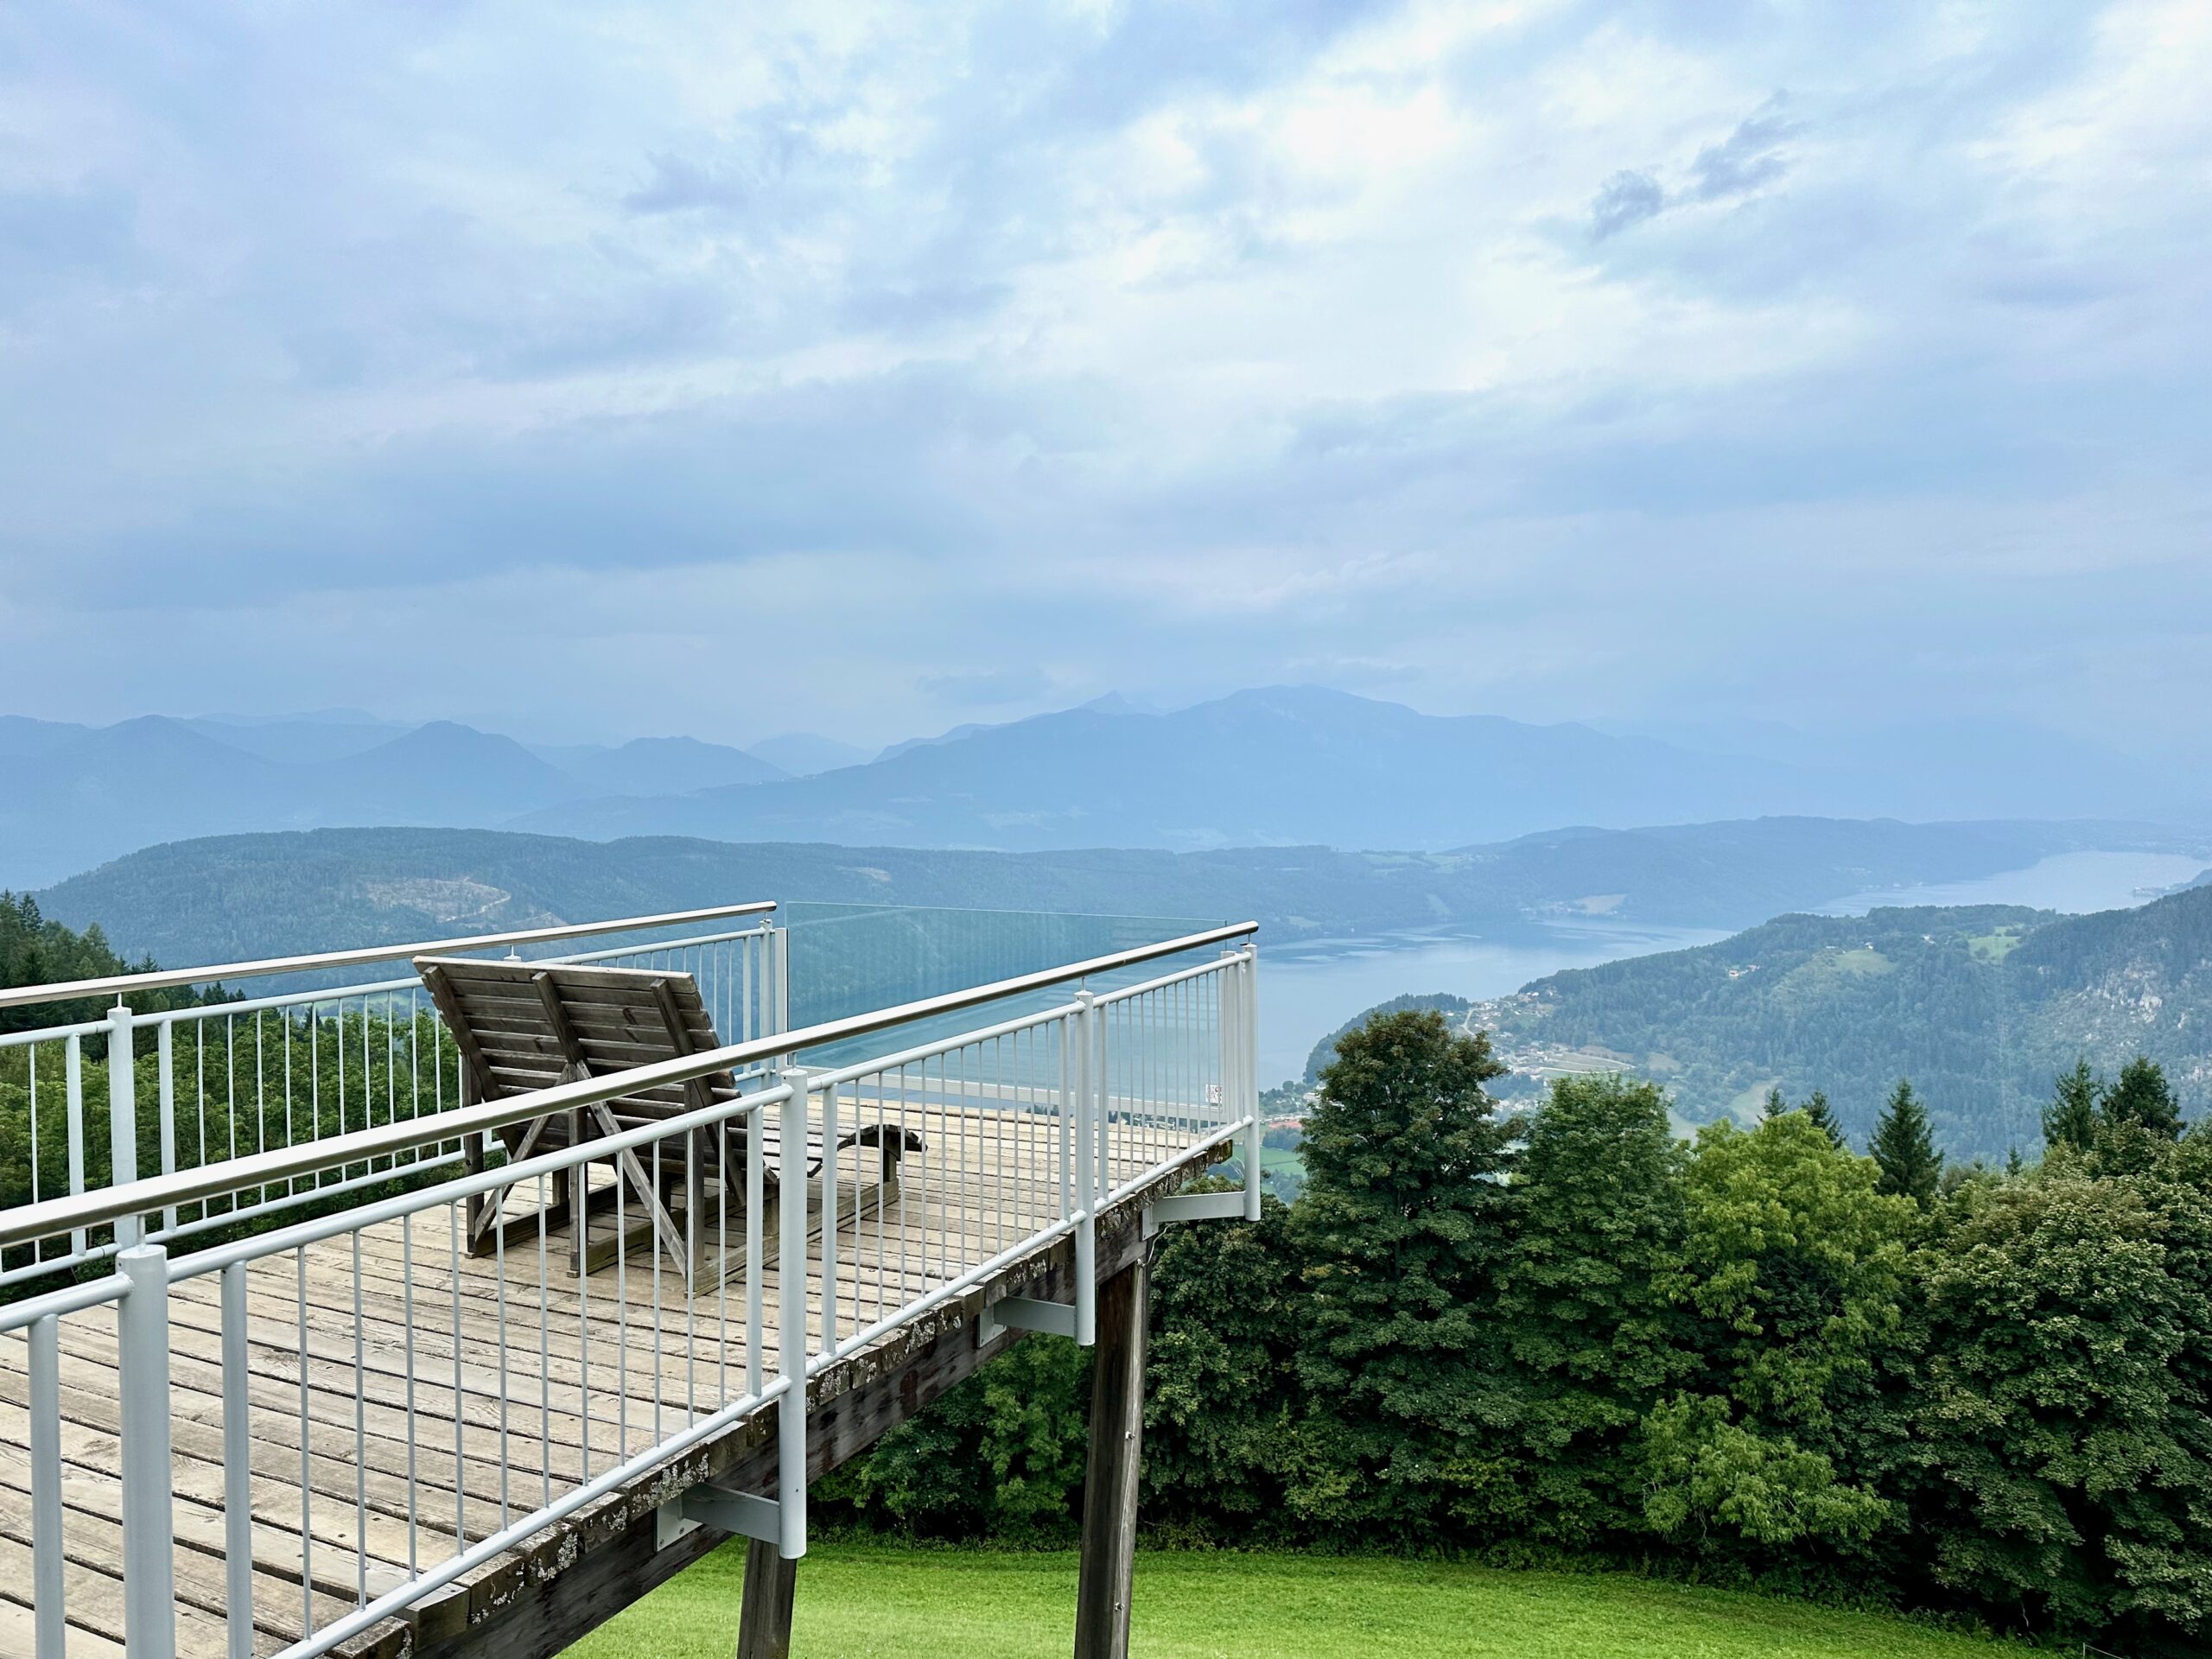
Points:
(200, 1480)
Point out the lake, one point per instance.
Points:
(1307, 990)
(2074, 882)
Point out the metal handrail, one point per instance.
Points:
(28, 1223)
(169, 978)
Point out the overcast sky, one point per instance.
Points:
(869, 369)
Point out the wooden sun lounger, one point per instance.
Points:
(523, 1026)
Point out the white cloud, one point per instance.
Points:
(1553, 358)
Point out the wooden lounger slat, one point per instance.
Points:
(516, 977)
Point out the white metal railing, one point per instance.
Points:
(433, 1411)
(232, 1078)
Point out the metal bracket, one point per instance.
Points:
(747, 1514)
(1025, 1313)
(1193, 1206)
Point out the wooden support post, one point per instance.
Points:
(764, 1618)
(1109, 1481)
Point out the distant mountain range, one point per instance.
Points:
(75, 795)
(1980, 1006)
(1284, 767)
(234, 897)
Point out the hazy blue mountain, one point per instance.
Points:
(803, 754)
(1286, 766)
(229, 897)
(660, 766)
(21, 735)
(123, 787)
(1277, 767)
(107, 792)
(308, 738)
(1112, 702)
(954, 735)
(443, 772)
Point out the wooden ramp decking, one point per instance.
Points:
(368, 1464)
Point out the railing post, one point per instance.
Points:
(149, 1547)
(1247, 1070)
(50, 1636)
(791, 1323)
(1086, 1173)
(123, 1117)
(238, 1467)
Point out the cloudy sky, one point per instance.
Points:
(867, 369)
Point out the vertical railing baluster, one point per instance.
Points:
(121, 1118)
(73, 1104)
(165, 1071)
(545, 1334)
(829, 1222)
(783, 979)
(30, 1075)
(457, 1222)
(1062, 1039)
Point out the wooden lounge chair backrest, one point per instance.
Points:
(525, 1026)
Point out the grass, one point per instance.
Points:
(1995, 947)
(859, 1601)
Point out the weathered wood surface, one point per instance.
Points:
(1109, 1476)
(382, 1396)
(764, 1623)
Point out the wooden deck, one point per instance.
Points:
(367, 1465)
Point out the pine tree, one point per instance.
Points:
(2144, 1098)
(1774, 1104)
(1399, 1235)
(1904, 1148)
(2070, 1120)
(1817, 1107)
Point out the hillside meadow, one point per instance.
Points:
(873, 1601)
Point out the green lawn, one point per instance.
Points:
(858, 1601)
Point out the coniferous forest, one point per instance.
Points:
(1985, 1392)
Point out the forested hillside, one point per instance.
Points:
(230, 897)
(35, 950)
(1980, 1007)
